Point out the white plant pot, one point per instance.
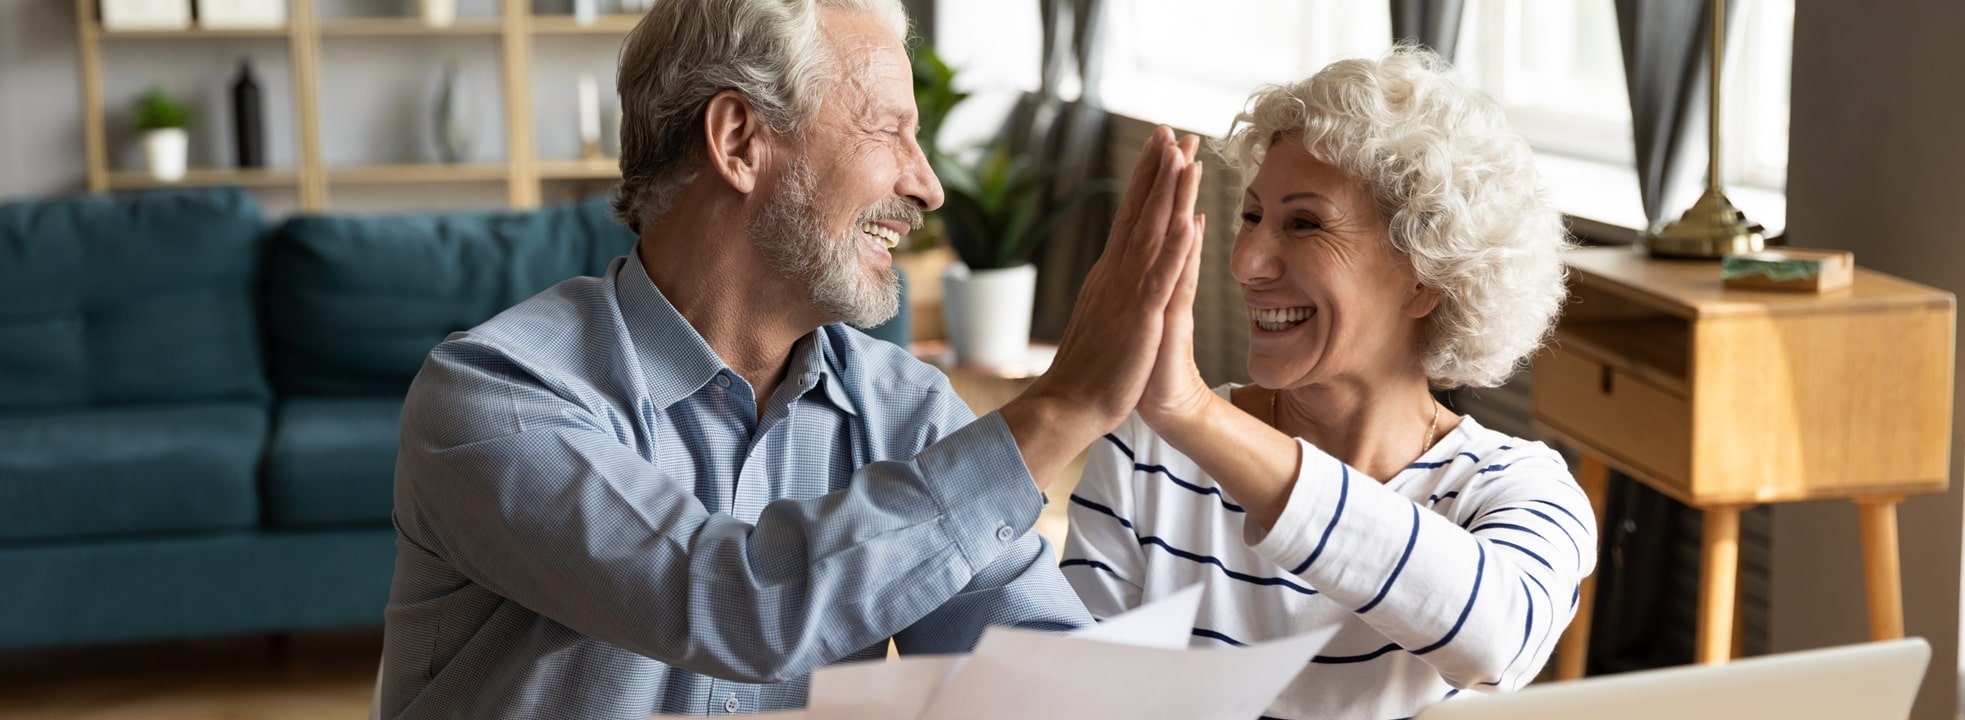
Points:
(146, 14)
(165, 152)
(986, 314)
(242, 14)
(437, 13)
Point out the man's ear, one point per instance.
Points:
(738, 143)
(1420, 300)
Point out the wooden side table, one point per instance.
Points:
(1724, 399)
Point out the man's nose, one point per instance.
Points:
(918, 182)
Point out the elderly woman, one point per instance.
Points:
(1392, 239)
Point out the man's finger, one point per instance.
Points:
(1150, 229)
(1141, 183)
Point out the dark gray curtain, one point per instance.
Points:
(1432, 23)
(1071, 137)
(1666, 68)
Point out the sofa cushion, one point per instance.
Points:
(129, 298)
(355, 303)
(126, 471)
(332, 462)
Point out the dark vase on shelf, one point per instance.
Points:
(248, 119)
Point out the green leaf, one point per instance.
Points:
(157, 110)
(999, 211)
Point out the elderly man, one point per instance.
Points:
(682, 486)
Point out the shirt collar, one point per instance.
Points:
(677, 361)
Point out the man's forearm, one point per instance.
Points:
(1050, 431)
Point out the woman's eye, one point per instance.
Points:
(1305, 224)
(1249, 218)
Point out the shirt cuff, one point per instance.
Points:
(987, 495)
(1316, 503)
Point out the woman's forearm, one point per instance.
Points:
(1255, 463)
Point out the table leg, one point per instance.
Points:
(1881, 574)
(1718, 580)
(1573, 650)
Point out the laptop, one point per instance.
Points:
(1869, 681)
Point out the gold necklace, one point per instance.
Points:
(1432, 425)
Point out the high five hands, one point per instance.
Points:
(1136, 305)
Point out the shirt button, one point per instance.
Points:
(722, 381)
(731, 705)
(1005, 534)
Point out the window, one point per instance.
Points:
(1192, 64)
(1557, 66)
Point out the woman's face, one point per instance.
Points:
(1329, 300)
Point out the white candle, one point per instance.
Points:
(589, 111)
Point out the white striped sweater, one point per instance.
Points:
(1457, 574)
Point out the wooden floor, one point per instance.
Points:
(307, 676)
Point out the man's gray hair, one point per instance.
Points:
(685, 52)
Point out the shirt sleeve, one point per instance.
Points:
(1102, 557)
(1483, 600)
(1022, 588)
(550, 510)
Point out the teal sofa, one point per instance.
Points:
(198, 408)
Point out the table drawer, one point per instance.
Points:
(1637, 424)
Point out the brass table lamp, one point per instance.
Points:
(1712, 227)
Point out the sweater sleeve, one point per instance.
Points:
(1102, 557)
(1483, 599)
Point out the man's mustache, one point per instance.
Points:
(894, 209)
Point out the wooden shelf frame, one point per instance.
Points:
(199, 177)
(514, 27)
(406, 27)
(617, 24)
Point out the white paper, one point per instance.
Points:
(1136, 665)
(1164, 623)
(880, 690)
(1027, 674)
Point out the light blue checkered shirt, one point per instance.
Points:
(594, 523)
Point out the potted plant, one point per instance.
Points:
(161, 120)
(995, 216)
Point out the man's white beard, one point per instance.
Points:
(792, 237)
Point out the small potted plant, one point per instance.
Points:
(995, 215)
(161, 120)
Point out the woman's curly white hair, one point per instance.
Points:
(1457, 185)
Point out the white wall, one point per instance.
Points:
(1877, 166)
(40, 137)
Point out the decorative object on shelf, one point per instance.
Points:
(437, 13)
(585, 11)
(248, 119)
(166, 147)
(242, 14)
(1791, 269)
(1712, 227)
(610, 142)
(995, 217)
(146, 14)
(636, 6)
(589, 117)
(453, 117)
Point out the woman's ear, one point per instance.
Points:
(1420, 300)
(737, 141)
